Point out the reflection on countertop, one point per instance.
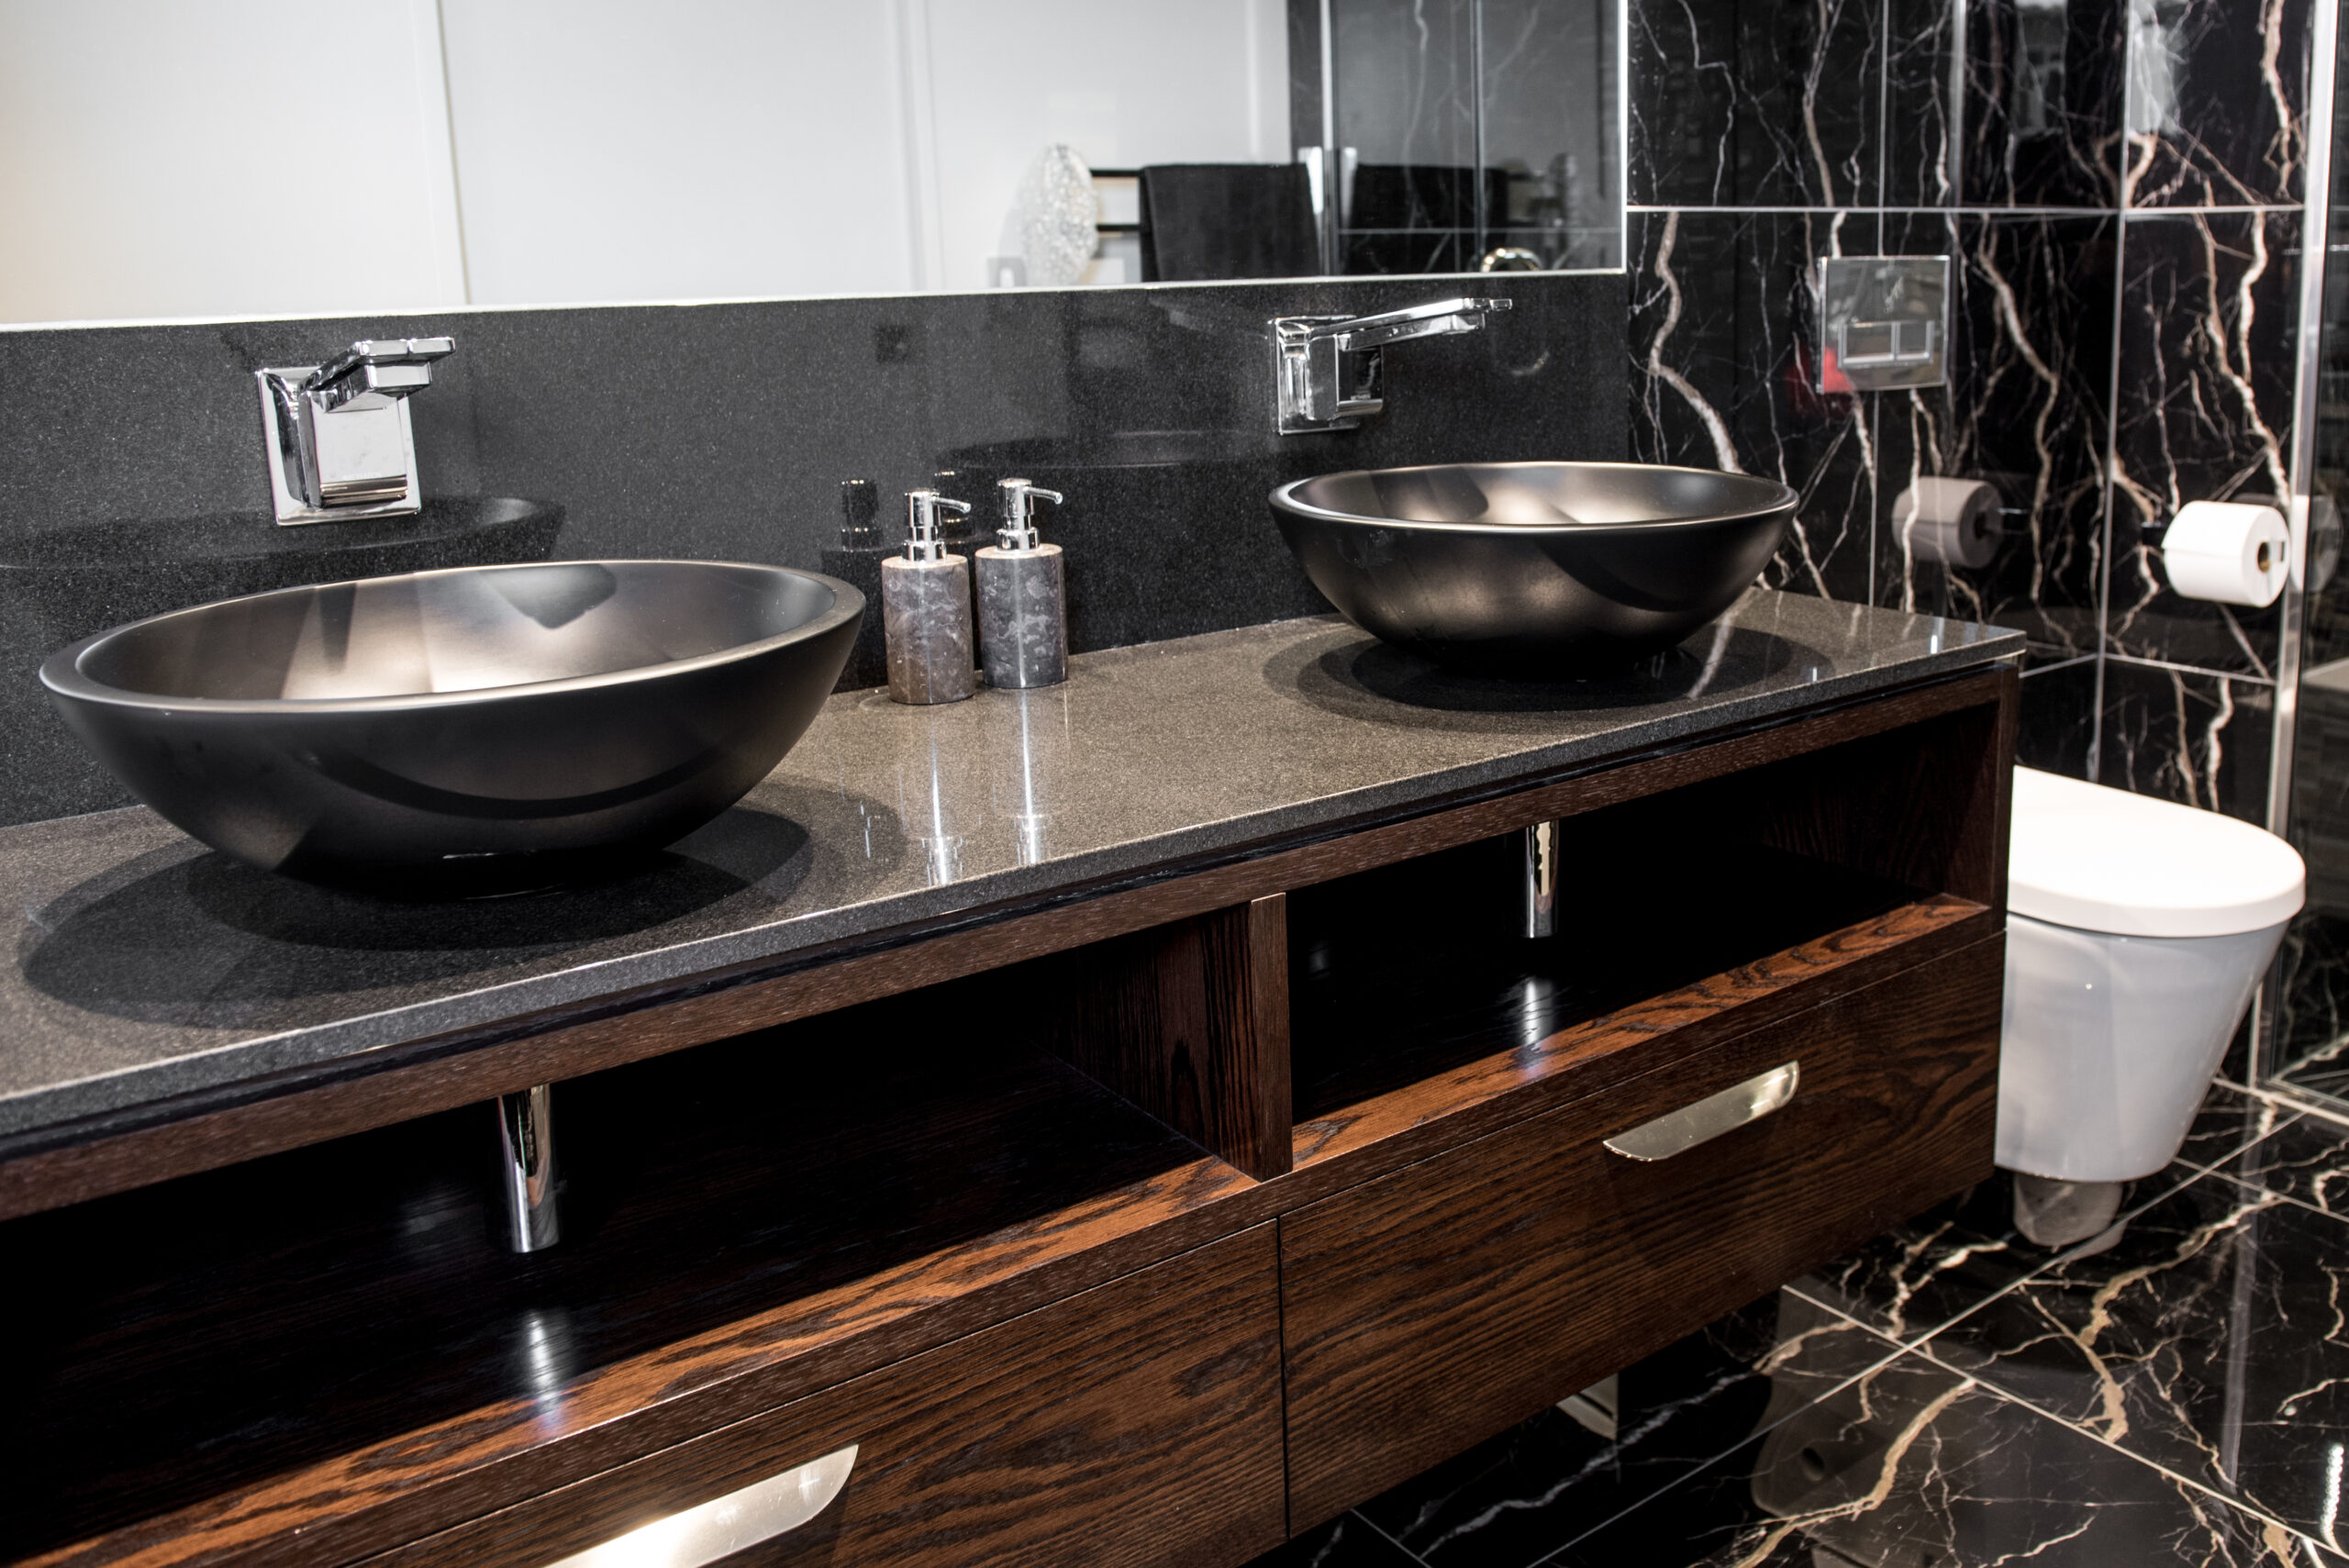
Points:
(146, 968)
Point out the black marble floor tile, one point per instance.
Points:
(1914, 1466)
(1724, 320)
(1754, 105)
(2207, 312)
(2217, 102)
(2322, 1073)
(1918, 1276)
(1511, 1501)
(2230, 1127)
(2186, 736)
(1347, 1542)
(2209, 1341)
(2024, 412)
(2306, 1159)
(2045, 86)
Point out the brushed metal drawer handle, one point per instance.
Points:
(724, 1526)
(1676, 1133)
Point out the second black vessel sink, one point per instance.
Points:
(1533, 567)
(476, 729)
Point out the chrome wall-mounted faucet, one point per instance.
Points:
(339, 444)
(1332, 369)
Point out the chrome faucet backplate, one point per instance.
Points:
(337, 435)
(1332, 369)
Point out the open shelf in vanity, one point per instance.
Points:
(746, 1222)
(1404, 973)
(1232, 1196)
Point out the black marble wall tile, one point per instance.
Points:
(721, 432)
(1921, 125)
(2188, 736)
(2058, 730)
(2217, 102)
(1744, 104)
(1724, 334)
(2045, 86)
(2209, 312)
(2025, 411)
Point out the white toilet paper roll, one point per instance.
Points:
(2229, 552)
(1954, 521)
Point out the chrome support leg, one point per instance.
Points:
(526, 1168)
(1542, 879)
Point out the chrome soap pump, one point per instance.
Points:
(926, 609)
(1023, 597)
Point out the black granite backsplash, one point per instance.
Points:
(722, 432)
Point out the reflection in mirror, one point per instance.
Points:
(275, 158)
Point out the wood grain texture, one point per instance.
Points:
(107, 1156)
(334, 1362)
(1135, 1426)
(496, 1452)
(1437, 1305)
(1481, 1096)
(1189, 1021)
(1926, 804)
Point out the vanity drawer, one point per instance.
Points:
(1137, 1423)
(1437, 1305)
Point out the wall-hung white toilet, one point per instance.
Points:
(2137, 932)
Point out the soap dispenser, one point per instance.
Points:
(925, 608)
(856, 561)
(1023, 597)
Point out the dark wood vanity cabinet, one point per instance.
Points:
(1425, 1310)
(1293, 1178)
(1138, 1422)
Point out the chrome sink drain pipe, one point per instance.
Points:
(1542, 879)
(526, 1168)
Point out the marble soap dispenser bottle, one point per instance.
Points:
(926, 609)
(1023, 597)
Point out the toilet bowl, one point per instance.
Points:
(2137, 932)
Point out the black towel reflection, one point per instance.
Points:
(1204, 222)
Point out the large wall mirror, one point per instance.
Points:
(287, 157)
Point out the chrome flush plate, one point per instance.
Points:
(1884, 322)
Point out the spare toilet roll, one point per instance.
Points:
(2229, 552)
(1954, 521)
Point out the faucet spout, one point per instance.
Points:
(1434, 320)
(374, 371)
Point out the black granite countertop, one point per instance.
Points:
(147, 967)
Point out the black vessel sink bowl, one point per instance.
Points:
(467, 730)
(1533, 567)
